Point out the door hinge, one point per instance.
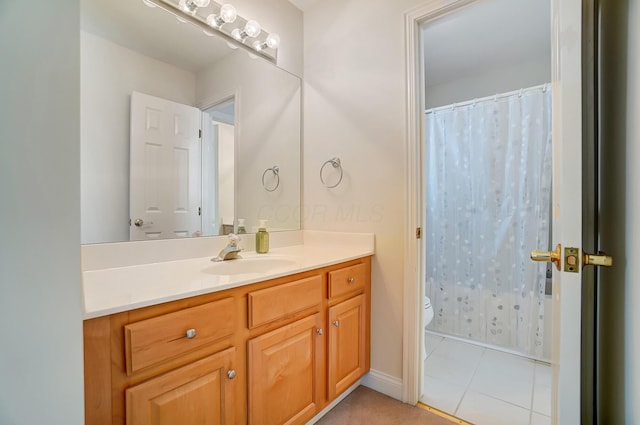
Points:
(199, 210)
(200, 134)
(418, 232)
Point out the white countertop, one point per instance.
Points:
(116, 289)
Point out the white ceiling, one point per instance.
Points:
(303, 4)
(485, 35)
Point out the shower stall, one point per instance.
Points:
(488, 203)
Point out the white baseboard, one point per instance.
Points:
(383, 383)
(377, 381)
(333, 404)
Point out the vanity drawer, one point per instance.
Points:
(270, 304)
(348, 279)
(161, 338)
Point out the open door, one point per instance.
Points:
(572, 185)
(165, 169)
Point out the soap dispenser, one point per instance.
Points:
(241, 227)
(262, 238)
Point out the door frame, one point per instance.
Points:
(412, 334)
(565, 25)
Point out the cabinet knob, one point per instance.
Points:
(351, 280)
(231, 374)
(336, 323)
(319, 331)
(191, 333)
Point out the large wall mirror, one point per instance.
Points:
(182, 132)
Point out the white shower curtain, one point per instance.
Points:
(488, 200)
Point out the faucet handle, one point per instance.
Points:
(233, 239)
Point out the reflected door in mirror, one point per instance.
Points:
(165, 169)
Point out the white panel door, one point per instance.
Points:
(567, 206)
(165, 169)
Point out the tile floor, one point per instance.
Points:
(485, 386)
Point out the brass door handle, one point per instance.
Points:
(548, 256)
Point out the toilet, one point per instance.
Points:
(428, 312)
(427, 317)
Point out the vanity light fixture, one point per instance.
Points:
(251, 29)
(227, 15)
(272, 41)
(209, 15)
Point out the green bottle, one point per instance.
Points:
(262, 238)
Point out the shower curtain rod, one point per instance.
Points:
(488, 98)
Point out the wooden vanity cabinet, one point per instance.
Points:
(264, 353)
(170, 398)
(348, 327)
(285, 373)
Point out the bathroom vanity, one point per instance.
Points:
(255, 346)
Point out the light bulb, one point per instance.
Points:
(190, 6)
(236, 34)
(273, 41)
(252, 28)
(228, 13)
(148, 3)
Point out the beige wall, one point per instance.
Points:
(354, 108)
(40, 303)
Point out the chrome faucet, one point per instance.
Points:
(229, 252)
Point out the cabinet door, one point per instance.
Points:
(200, 393)
(285, 371)
(347, 344)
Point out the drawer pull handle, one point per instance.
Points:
(191, 333)
(336, 323)
(231, 374)
(319, 331)
(351, 280)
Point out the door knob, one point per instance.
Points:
(548, 256)
(140, 222)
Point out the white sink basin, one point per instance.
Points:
(251, 265)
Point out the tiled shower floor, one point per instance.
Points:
(485, 386)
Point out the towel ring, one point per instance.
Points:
(276, 172)
(335, 163)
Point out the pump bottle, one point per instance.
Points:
(262, 238)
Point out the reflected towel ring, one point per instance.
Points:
(276, 172)
(335, 162)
